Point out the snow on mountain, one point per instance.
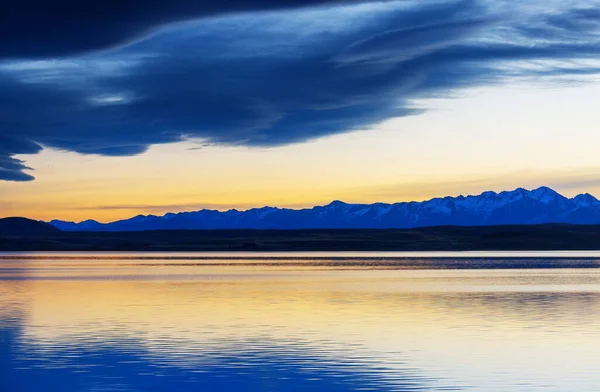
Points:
(520, 206)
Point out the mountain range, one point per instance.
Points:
(520, 206)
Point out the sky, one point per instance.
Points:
(109, 110)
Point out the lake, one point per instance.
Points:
(349, 321)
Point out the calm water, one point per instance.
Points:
(300, 322)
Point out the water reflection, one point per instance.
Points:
(128, 365)
(93, 327)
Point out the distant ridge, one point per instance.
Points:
(24, 227)
(520, 206)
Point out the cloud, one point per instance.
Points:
(275, 78)
(39, 28)
(11, 169)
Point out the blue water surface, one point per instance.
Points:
(299, 322)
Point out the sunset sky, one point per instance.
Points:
(207, 106)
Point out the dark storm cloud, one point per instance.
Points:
(35, 28)
(11, 169)
(274, 79)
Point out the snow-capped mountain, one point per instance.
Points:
(521, 206)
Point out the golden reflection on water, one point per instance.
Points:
(518, 330)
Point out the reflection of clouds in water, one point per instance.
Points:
(258, 365)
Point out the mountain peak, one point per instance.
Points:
(488, 194)
(586, 196)
(91, 221)
(514, 191)
(545, 194)
(513, 195)
(544, 189)
(585, 200)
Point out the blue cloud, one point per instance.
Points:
(275, 78)
(35, 28)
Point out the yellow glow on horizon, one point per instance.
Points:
(494, 139)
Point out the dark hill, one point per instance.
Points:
(514, 237)
(24, 227)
